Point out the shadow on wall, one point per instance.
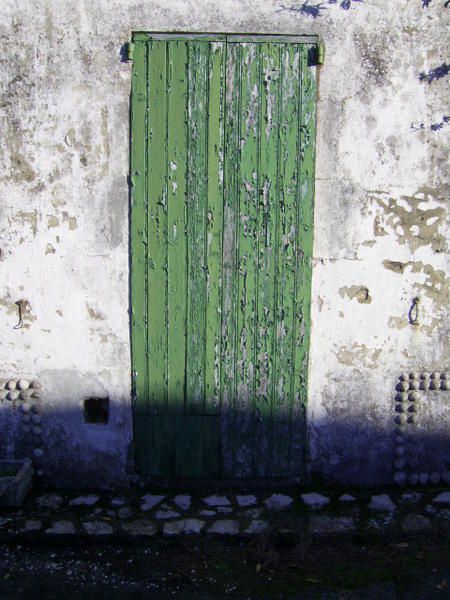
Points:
(413, 448)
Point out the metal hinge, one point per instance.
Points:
(320, 54)
(130, 52)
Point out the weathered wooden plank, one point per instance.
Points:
(244, 451)
(198, 54)
(229, 254)
(268, 215)
(139, 229)
(198, 447)
(157, 226)
(287, 236)
(301, 326)
(176, 234)
(215, 150)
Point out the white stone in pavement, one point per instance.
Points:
(225, 510)
(251, 513)
(415, 522)
(149, 501)
(117, 502)
(314, 500)
(257, 527)
(326, 524)
(97, 528)
(88, 500)
(32, 525)
(347, 498)
(225, 527)
(207, 513)
(51, 501)
(193, 526)
(61, 528)
(382, 502)
(140, 527)
(442, 498)
(183, 501)
(124, 512)
(173, 528)
(216, 501)
(246, 500)
(166, 514)
(278, 502)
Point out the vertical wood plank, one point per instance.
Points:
(198, 60)
(176, 234)
(139, 229)
(287, 237)
(216, 100)
(157, 226)
(267, 230)
(229, 254)
(302, 316)
(247, 220)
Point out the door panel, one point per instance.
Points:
(222, 191)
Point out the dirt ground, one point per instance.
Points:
(273, 567)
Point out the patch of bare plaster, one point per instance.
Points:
(21, 169)
(71, 221)
(397, 323)
(360, 292)
(414, 225)
(52, 221)
(378, 229)
(95, 314)
(358, 355)
(436, 286)
(27, 218)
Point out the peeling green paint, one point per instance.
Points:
(222, 171)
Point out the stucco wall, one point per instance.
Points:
(381, 220)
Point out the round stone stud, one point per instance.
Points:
(2, 384)
(435, 384)
(400, 419)
(414, 385)
(412, 408)
(36, 430)
(435, 375)
(425, 375)
(412, 418)
(414, 375)
(36, 419)
(36, 408)
(404, 377)
(25, 395)
(400, 477)
(445, 376)
(413, 478)
(401, 397)
(423, 478)
(400, 408)
(36, 394)
(425, 384)
(22, 384)
(35, 384)
(435, 478)
(11, 385)
(445, 476)
(414, 396)
(13, 395)
(26, 418)
(403, 386)
(38, 452)
(400, 451)
(445, 385)
(3, 394)
(400, 429)
(26, 428)
(400, 463)
(25, 408)
(399, 439)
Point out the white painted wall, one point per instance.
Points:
(64, 218)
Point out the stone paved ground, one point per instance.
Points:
(217, 544)
(137, 513)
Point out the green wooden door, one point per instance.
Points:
(222, 167)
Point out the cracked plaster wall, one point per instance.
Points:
(381, 215)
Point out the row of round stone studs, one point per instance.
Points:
(31, 419)
(401, 478)
(406, 412)
(423, 381)
(22, 389)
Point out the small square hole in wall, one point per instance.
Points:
(96, 410)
